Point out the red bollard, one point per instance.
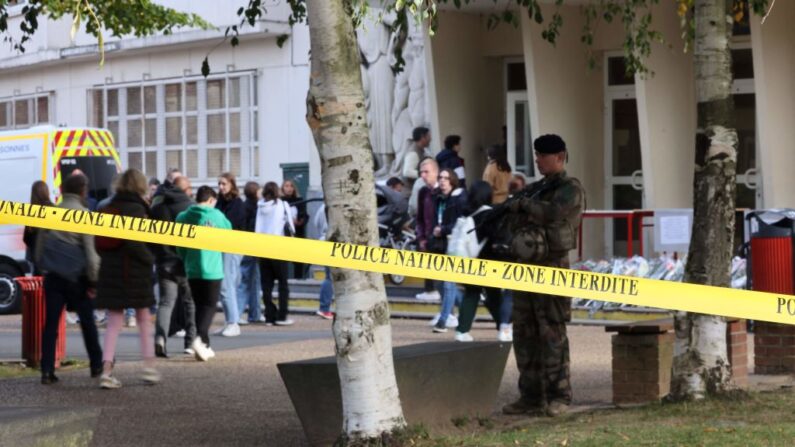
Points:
(33, 316)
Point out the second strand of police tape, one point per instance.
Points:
(505, 275)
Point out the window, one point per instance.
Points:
(24, 111)
(203, 127)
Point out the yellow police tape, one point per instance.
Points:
(531, 278)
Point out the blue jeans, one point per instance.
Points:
(326, 292)
(249, 289)
(229, 287)
(506, 307)
(450, 296)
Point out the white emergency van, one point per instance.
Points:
(50, 154)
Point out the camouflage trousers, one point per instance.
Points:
(541, 347)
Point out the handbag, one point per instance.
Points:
(288, 230)
(62, 258)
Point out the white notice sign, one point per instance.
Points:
(674, 230)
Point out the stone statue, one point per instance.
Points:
(410, 108)
(396, 104)
(375, 44)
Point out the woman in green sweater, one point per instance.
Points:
(204, 268)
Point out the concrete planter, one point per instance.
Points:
(438, 381)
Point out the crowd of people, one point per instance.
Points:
(181, 287)
(534, 223)
(440, 196)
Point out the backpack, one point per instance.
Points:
(464, 239)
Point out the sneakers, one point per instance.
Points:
(108, 382)
(71, 319)
(242, 322)
(287, 322)
(439, 328)
(129, 321)
(230, 330)
(189, 351)
(151, 376)
(429, 296)
(463, 337)
(180, 333)
(452, 321)
(200, 350)
(160, 347)
(210, 353)
(506, 332)
(325, 315)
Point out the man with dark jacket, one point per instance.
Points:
(172, 282)
(426, 219)
(449, 158)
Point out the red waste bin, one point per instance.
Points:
(33, 316)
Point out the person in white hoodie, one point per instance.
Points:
(274, 216)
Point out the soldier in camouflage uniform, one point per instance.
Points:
(550, 211)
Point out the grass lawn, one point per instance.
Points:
(14, 370)
(764, 419)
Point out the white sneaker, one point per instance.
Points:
(429, 296)
(463, 337)
(130, 321)
(151, 376)
(189, 351)
(242, 322)
(434, 320)
(210, 353)
(506, 332)
(108, 382)
(287, 322)
(452, 321)
(200, 350)
(71, 319)
(231, 330)
(180, 333)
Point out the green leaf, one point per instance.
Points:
(281, 39)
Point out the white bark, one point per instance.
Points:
(362, 332)
(700, 363)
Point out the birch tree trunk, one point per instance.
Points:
(700, 361)
(362, 331)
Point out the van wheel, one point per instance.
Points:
(10, 292)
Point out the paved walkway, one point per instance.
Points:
(237, 399)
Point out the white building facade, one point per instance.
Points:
(630, 140)
(246, 117)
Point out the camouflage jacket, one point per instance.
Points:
(553, 204)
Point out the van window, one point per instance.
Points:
(99, 170)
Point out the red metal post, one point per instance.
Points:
(33, 317)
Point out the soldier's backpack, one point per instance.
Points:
(513, 237)
(464, 239)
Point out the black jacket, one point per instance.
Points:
(234, 211)
(251, 214)
(125, 273)
(172, 202)
(452, 207)
(449, 159)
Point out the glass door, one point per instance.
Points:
(519, 137)
(624, 177)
